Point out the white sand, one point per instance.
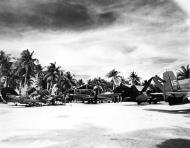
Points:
(47, 126)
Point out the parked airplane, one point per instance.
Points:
(173, 91)
(103, 97)
(128, 93)
(35, 98)
(170, 90)
(156, 93)
(93, 94)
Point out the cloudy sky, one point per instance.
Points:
(91, 37)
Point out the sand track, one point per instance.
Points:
(106, 125)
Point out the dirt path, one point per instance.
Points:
(109, 125)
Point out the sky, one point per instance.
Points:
(92, 37)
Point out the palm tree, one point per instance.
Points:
(106, 85)
(5, 65)
(124, 81)
(114, 74)
(27, 66)
(51, 75)
(66, 81)
(80, 82)
(134, 78)
(70, 79)
(39, 76)
(183, 73)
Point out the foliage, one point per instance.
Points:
(66, 81)
(114, 74)
(27, 66)
(107, 86)
(5, 63)
(8, 70)
(134, 78)
(183, 73)
(51, 75)
(80, 82)
(26, 71)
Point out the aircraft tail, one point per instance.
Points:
(171, 83)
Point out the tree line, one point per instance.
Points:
(26, 72)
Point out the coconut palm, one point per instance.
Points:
(51, 75)
(114, 74)
(183, 73)
(106, 85)
(134, 78)
(5, 66)
(39, 76)
(80, 82)
(12, 77)
(27, 66)
(66, 81)
(5, 62)
(70, 80)
(2, 60)
(124, 81)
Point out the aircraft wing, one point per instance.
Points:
(80, 95)
(27, 101)
(180, 92)
(156, 94)
(21, 100)
(175, 92)
(102, 97)
(109, 95)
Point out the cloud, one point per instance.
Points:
(94, 36)
(161, 60)
(184, 4)
(59, 15)
(63, 15)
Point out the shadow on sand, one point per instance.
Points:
(134, 103)
(181, 111)
(130, 104)
(175, 143)
(142, 104)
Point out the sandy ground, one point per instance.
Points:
(108, 125)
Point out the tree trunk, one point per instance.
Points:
(0, 80)
(0, 77)
(20, 88)
(51, 84)
(133, 82)
(25, 79)
(113, 84)
(47, 86)
(6, 82)
(25, 84)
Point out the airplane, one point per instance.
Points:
(24, 100)
(170, 90)
(9, 95)
(173, 91)
(103, 97)
(127, 93)
(155, 95)
(79, 94)
(87, 94)
(35, 98)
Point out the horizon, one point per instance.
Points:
(93, 37)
